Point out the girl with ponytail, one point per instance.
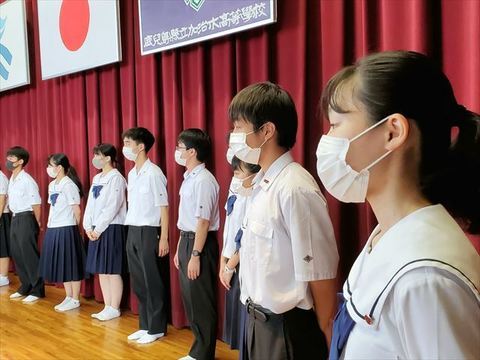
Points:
(62, 257)
(413, 292)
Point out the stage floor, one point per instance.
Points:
(37, 332)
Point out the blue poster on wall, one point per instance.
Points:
(167, 24)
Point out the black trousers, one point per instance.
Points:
(200, 295)
(147, 282)
(291, 335)
(23, 245)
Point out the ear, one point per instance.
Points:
(397, 130)
(269, 130)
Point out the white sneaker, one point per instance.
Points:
(66, 300)
(96, 315)
(4, 280)
(30, 299)
(16, 295)
(137, 335)
(109, 314)
(148, 338)
(188, 357)
(72, 304)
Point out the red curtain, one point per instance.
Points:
(192, 87)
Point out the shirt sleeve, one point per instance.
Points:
(426, 301)
(159, 188)
(3, 185)
(33, 193)
(88, 214)
(115, 200)
(72, 194)
(206, 199)
(315, 255)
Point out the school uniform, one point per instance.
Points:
(63, 256)
(147, 193)
(415, 295)
(287, 242)
(22, 195)
(105, 213)
(5, 219)
(199, 200)
(235, 312)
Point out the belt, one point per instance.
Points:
(23, 213)
(258, 312)
(187, 235)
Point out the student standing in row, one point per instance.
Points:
(147, 240)
(197, 250)
(103, 222)
(235, 312)
(24, 202)
(63, 259)
(5, 220)
(289, 253)
(413, 292)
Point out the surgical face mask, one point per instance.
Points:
(9, 165)
(340, 180)
(178, 158)
(98, 163)
(237, 187)
(230, 156)
(52, 172)
(129, 154)
(238, 144)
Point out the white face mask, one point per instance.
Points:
(178, 158)
(236, 186)
(238, 144)
(230, 156)
(129, 154)
(52, 172)
(340, 180)
(98, 163)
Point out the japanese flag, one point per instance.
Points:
(76, 35)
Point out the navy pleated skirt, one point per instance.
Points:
(5, 235)
(63, 256)
(107, 254)
(235, 317)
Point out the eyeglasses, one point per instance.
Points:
(180, 148)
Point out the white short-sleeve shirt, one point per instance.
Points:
(147, 193)
(233, 223)
(106, 202)
(415, 294)
(4, 189)
(288, 238)
(23, 193)
(198, 200)
(62, 196)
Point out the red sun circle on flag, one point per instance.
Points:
(74, 23)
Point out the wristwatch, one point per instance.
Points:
(196, 253)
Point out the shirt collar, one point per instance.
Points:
(196, 170)
(146, 165)
(20, 175)
(265, 180)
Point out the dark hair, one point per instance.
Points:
(141, 136)
(106, 150)
(238, 164)
(197, 139)
(20, 153)
(411, 84)
(267, 102)
(62, 159)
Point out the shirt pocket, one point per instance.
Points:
(262, 241)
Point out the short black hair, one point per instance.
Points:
(106, 150)
(238, 164)
(20, 153)
(141, 136)
(267, 102)
(196, 139)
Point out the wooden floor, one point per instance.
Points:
(36, 331)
